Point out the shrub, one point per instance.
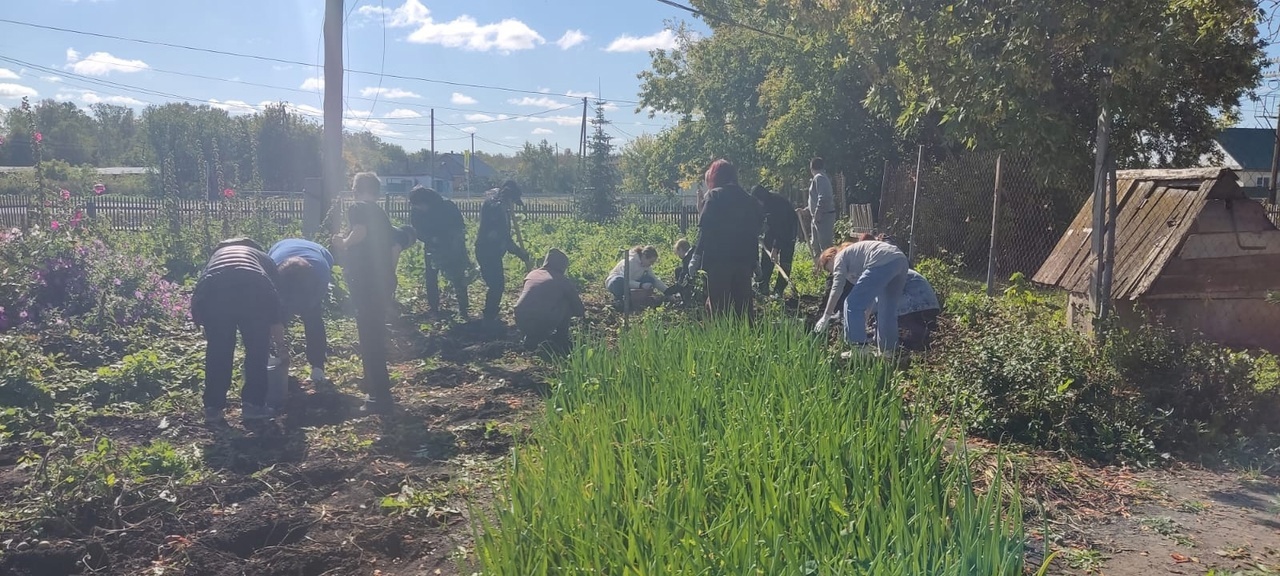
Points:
(1010, 369)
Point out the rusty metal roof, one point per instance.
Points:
(1156, 209)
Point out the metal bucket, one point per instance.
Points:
(277, 383)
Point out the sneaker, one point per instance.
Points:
(317, 374)
(860, 351)
(214, 417)
(372, 406)
(252, 412)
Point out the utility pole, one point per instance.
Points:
(433, 149)
(1101, 175)
(471, 161)
(334, 171)
(582, 146)
(1275, 162)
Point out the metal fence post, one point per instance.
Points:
(995, 218)
(915, 198)
(626, 287)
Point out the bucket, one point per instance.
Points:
(277, 383)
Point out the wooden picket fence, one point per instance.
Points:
(140, 213)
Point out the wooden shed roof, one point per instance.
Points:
(1156, 209)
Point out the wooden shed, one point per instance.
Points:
(1191, 249)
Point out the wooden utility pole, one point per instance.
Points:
(433, 149)
(1275, 162)
(334, 171)
(1101, 174)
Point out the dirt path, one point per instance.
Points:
(331, 491)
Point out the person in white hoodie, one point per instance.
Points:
(641, 275)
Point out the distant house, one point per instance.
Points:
(1247, 151)
(449, 178)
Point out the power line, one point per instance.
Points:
(286, 61)
(723, 19)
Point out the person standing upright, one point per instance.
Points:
(493, 241)
(366, 264)
(822, 208)
(444, 243)
(779, 238)
(728, 241)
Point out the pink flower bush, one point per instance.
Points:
(66, 194)
(39, 137)
(99, 188)
(54, 224)
(228, 193)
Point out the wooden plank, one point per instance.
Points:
(1219, 245)
(1144, 230)
(1186, 213)
(1067, 250)
(1172, 174)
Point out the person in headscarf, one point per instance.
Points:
(548, 302)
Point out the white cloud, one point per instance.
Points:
(234, 106)
(543, 131)
(16, 91)
(664, 40)
(558, 120)
(469, 129)
(7, 74)
(316, 83)
(573, 94)
(387, 93)
(461, 99)
(462, 32)
(102, 64)
(484, 117)
(571, 38)
(51, 79)
(359, 113)
(545, 90)
(378, 128)
(94, 98)
(402, 113)
(540, 102)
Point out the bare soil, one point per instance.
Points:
(304, 496)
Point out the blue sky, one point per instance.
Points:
(559, 50)
(556, 49)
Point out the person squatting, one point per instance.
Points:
(742, 239)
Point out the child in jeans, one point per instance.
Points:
(367, 268)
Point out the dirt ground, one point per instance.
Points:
(330, 491)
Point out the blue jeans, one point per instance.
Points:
(881, 286)
(619, 284)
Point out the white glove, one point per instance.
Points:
(646, 286)
(821, 326)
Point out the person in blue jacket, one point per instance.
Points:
(305, 271)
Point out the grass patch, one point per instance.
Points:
(735, 450)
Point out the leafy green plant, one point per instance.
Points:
(734, 449)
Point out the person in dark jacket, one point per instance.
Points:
(547, 303)
(236, 292)
(728, 241)
(493, 241)
(444, 244)
(366, 265)
(780, 226)
(402, 238)
(305, 270)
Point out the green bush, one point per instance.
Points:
(1011, 370)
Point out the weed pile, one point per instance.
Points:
(738, 450)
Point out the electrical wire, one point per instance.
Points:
(725, 20)
(290, 62)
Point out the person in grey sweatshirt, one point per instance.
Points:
(822, 208)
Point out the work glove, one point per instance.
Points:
(646, 286)
(821, 326)
(695, 264)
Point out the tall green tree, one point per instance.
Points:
(288, 148)
(540, 170)
(648, 165)
(599, 198)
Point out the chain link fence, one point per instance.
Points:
(942, 208)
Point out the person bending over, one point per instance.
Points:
(444, 244)
(305, 269)
(236, 292)
(878, 272)
(493, 241)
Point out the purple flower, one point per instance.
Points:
(23, 314)
(116, 281)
